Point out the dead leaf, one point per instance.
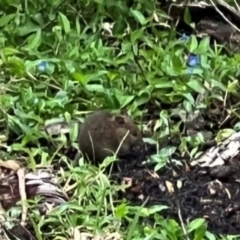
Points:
(22, 191)
(169, 187)
(137, 188)
(127, 181)
(10, 164)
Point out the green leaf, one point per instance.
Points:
(192, 43)
(123, 59)
(124, 100)
(85, 78)
(217, 83)
(17, 65)
(119, 26)
(189, 97)
(142, 98)
(121, 210)
(223, 134)
(78, 27)
(187, 16)
(74, 52)
(27, 28)
(196, 223)
(204, 45)
(135, 35)
(187, 105)
(5, 19)
(200, 232)
(177, 62)
(163, 84)
(8, 51)
(112, 75)
(95, 88)
(210, 236)
(138, 16)
(232, 86)
(196, 85)
(65, 23)
(34, 40)
(156, 209)
(79, 77)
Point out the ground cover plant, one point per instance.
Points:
(63, 59)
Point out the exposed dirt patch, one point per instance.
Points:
(199, 196)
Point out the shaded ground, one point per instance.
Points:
(199, 196)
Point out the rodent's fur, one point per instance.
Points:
(102, 132)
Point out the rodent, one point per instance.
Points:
(107, 131)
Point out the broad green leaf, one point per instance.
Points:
(210, 236)
(79, 77)
(142, 99)
(135, 35)
(124, 100)
(189, 97)
(85, 78)
(196, 85)
(17, 65)
(232, 86)
(204, 45)
(138, 16)
(34, 40)
(187, 106)
(8, 51)
(192, 43)
(123, 59)
(5, 19)
(65, 23)
(39, 19)
(17, 122)
(74, 52)
(22, 115)
(112, 75)
(119, 26)
(27, 28)
(187, 16)
(121, 210)
(217, 83)
(74, 132)
(196, 223)
(204, 62)
(200, 231)
(223, 134)
(177, 62)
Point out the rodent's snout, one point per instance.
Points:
(139, 148)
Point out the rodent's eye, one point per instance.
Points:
(120, 120)
(135, 134)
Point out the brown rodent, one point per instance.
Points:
(102, 132)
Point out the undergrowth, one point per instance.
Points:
(62, 59)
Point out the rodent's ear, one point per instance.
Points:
(120, 119)
(123, 112)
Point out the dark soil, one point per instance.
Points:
(200, 196)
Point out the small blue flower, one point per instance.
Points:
(42, 67)
(184, 37)
(193, 60)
